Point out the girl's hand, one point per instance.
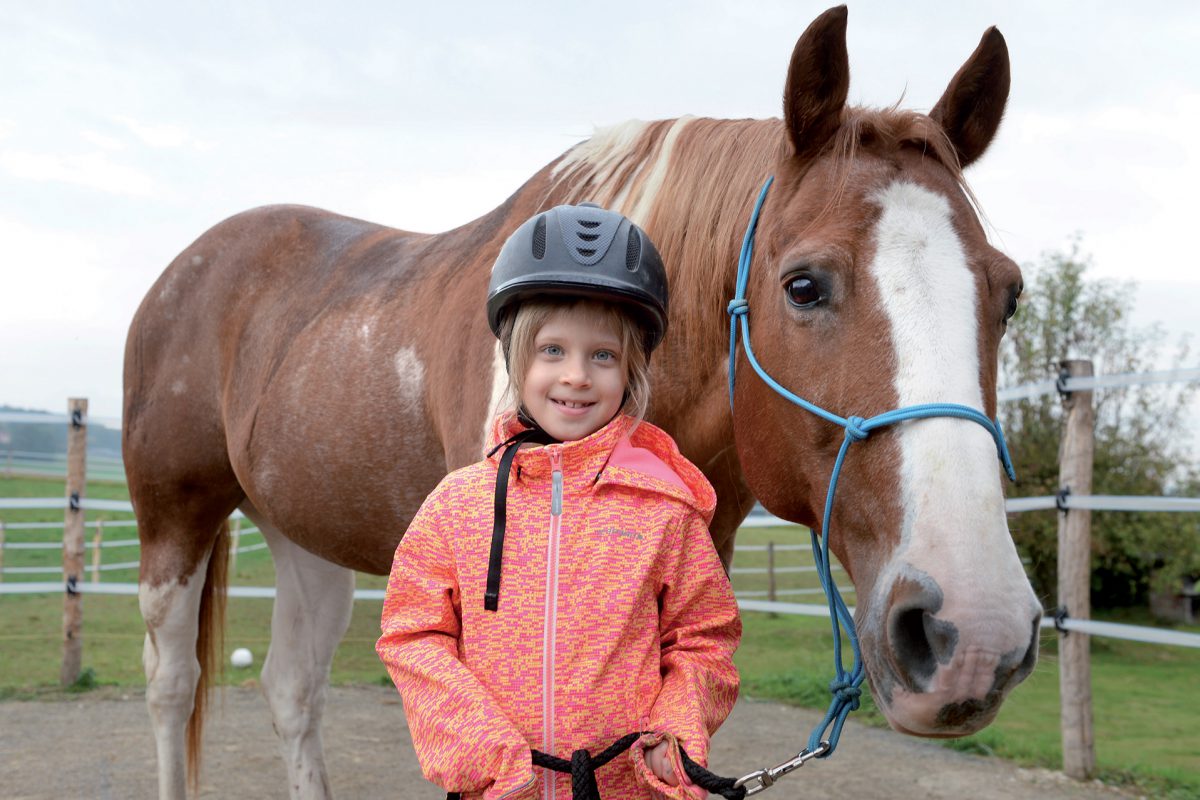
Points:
(659, 761)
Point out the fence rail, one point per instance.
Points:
(1075, 384)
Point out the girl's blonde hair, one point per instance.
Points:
(518, 332)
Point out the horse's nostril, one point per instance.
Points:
(920, 642)
(1031, 653)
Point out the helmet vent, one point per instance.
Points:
(539, 238)
(633, 251)
(587, 235)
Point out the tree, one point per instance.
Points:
(1141, 445)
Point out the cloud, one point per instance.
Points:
(101, 140)
(90, 170)
(162, 135)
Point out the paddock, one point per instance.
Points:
(99, 746)
(770, 566)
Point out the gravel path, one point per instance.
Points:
(99, 745)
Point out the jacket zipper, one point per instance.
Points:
(549, 633)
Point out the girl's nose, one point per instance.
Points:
(575, 374)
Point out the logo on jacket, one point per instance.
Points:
(624, 534)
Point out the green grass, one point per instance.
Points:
(1146, 697)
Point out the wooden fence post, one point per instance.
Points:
(96, 540)
(72, 661)
(1074, 578)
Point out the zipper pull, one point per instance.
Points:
(556, 480)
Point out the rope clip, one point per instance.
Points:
(762, 779)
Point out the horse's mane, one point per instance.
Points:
(690, 183)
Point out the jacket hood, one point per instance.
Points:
(624, 452)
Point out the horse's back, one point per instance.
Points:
(258, 355)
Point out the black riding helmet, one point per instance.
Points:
(581, 251)
(568, 251)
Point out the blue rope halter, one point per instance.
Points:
(845, 685)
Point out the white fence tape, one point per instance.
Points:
(1134, 633)
(1091, 627)
(1028, 390)
(1104, 502)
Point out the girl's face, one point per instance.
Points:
(576, 379)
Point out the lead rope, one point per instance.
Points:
(582, 768)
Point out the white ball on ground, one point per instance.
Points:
(241, 657)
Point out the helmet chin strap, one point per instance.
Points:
(533, 434)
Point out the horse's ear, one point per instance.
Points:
(973, 104)
(817, 83)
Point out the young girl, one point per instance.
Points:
(564, 591)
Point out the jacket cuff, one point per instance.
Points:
(686, 790)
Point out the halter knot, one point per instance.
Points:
(854, 429)
(845, 692)
(739, 306)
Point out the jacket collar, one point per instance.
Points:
(624, 452)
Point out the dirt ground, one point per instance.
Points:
(99, 745)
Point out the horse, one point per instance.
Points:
(323, 373)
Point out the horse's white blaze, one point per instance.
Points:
(950, 481)
(172, 612)
(410, 371)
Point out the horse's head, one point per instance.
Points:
(874, 288)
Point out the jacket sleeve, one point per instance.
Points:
(463, 741)
(699, 630)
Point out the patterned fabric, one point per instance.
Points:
(615, 616)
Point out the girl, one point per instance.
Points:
(564, 591)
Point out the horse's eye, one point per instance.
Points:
(1013, 297)
(803, 292)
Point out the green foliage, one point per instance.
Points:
(1141, 445)
(85, 682)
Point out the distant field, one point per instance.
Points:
(1146, 697)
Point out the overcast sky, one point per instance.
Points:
(128, 128)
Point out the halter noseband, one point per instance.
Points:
(845, 686)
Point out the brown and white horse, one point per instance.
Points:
(323, 373)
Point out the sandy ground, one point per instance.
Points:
(99, 745)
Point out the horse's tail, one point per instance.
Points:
(210, 646)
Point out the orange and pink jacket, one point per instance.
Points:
(615, 615)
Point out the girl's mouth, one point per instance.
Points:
(571, 406)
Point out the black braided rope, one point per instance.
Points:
(582, 768)
(712, 783)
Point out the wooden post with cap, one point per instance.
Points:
(72, 660)
(1074, 577)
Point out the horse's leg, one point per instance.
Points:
(179, 587)
(313, 601)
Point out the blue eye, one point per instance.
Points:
(552, 350)
(605, 355)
